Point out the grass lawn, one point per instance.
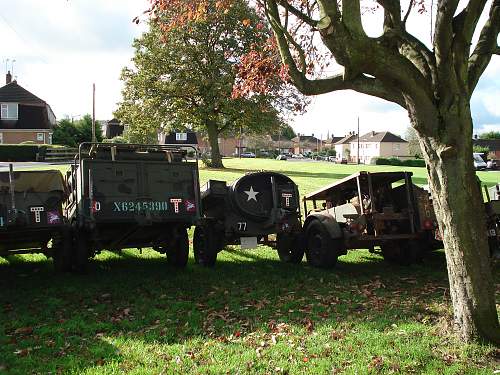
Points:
(250, 314)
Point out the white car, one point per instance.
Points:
(479, 163)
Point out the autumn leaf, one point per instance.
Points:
(246, 22)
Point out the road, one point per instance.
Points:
(4, 166)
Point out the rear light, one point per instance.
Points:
(428, 224)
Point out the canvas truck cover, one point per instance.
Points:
(32, 181)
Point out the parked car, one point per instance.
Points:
(281, 157)
(343, 161)
(332, 159)
(492, 164)
(479, 162)
(247, 155)
(297, 156)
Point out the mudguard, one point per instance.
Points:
(330, 224)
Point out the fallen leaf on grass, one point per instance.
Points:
(24, 331)
(376, 363)
(22, 352)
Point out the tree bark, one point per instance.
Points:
(460, 210)
(213, 140)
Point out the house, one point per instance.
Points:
(186, 138)
(492, 144)
(112, 128)
(305, 144)
(330, 142)
(378, 144)
(24, 116)
(343, 147)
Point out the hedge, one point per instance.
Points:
(21, 152)
(398, 162)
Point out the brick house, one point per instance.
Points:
(24, 116)
(305, 144)
(492, 144)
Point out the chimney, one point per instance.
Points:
(475, 136)
(373, 133)
(8, 78)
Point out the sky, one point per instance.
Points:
(62, 47)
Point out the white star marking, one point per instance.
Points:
(251, 194)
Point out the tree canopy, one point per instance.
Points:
(490, 135)
(183, 77)
(72, 133)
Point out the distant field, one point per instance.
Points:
(251, 314)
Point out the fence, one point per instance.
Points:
(60, 154)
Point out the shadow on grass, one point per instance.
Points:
(77, 320)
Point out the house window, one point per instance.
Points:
(181, 137)
(39, 137)
(9, 111)
(1, 138)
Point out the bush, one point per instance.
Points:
(117, 139)
(21, 152)
(398, 162)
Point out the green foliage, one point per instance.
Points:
(413, 144)
(287, 131)
(398, 162)
(183, 78)
(117, 139)
(21, 152)
(490, 135)
(480, 149)
(72, 133)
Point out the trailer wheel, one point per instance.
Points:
(178, 255)
(62, 251)
(289, 249)
(82, 252)
(321, 250)
(205, 246)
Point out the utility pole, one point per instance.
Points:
(93, 113)
(358, 143)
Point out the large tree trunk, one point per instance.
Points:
(461, 215)
(213, 139)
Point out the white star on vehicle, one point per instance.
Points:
(251, 194)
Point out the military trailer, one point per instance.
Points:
(258, 208)
(365, 210)
(132, 196)
(31, 215)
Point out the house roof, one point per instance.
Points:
(13, 92)
(305, 138)
(492, 144)
(379, 137)
(346, 139)
(282, 138)
(333, 140)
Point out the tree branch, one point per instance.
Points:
(351, 16)
(443, 34)
(408, 11)
(485, 47)
(297, 13)
(470, 15)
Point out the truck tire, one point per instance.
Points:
(205, 246)
(289, 249)
(62, 251)
(178, 255)
(82, 253)
(321, 250)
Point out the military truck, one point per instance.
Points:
(258, 208)
(365, 210)
(31, 215)
(132, 196)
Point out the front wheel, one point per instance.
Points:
(322, 251)
(204, 246)
(289, 249)
(178, 255)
